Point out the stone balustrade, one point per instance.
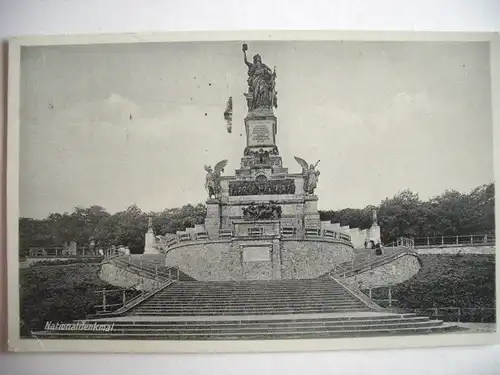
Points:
(288, 232)
(258, 232)
(225, 233)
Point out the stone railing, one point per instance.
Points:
(403, 242)
(390, 252)
(257, 232)
(119, 309)
(454, 241)
(354, 290)
(149, 269)
(333, 234)
(225, 234)
(45, 252)
(288, 232)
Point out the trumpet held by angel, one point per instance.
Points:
(311, 175)
(212, 179)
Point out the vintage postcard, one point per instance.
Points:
(252, 191)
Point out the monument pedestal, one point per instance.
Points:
(265, 222)
(261, 130)
(213, 219)
(150, 244)
(311, 214)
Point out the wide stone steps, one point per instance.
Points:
(203, 300)
(259, 330)
(283, 328)
(275, 320)
(290, 309)
(225, 297)
(163, 312)
(254, 297)
(264, 304)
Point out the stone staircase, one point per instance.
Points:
(147, 268)
(251, 310)
(366, 259)
(250, 297)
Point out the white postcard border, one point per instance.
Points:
(15, 343)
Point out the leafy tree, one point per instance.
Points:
(449, 214)
(402, 215)
(405, 214)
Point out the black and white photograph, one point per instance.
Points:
(251, 191)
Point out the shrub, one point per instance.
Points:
(465, 281)
(58, 294)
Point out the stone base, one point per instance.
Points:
(213, 219)
(311, 214)
(150, 244)
(258, 259)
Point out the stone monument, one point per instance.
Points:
(375, 230)
(261, 177)
(263, 221)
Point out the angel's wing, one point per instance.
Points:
(302, 162)
(219, 167)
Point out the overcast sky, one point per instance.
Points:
(115, 125)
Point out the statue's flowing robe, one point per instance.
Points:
(260, 81)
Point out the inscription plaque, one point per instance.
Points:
(260, 133)
(256, 254)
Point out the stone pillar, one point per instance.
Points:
(375, 230)
(150, 244)
(150, 240)
(276, 259)
(311, 214)
(72, 248)
(213, 219)
(375, 233)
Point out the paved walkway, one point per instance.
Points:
(479, 327)
(346, 315)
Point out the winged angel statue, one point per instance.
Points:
(212, 180)
(311, 175)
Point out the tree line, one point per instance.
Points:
(95, 224)
(404, 215)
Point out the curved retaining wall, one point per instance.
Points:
(122, 278)
(205, 260)
(288, 258)
(394, 272)
(309, 259)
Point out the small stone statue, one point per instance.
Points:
(212, 179)
(261, 83)
(150, 224)
(311, 175)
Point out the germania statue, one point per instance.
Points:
(261, 83)
(212, 179)
(311, 175)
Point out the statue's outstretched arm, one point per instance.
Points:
(249, 64)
